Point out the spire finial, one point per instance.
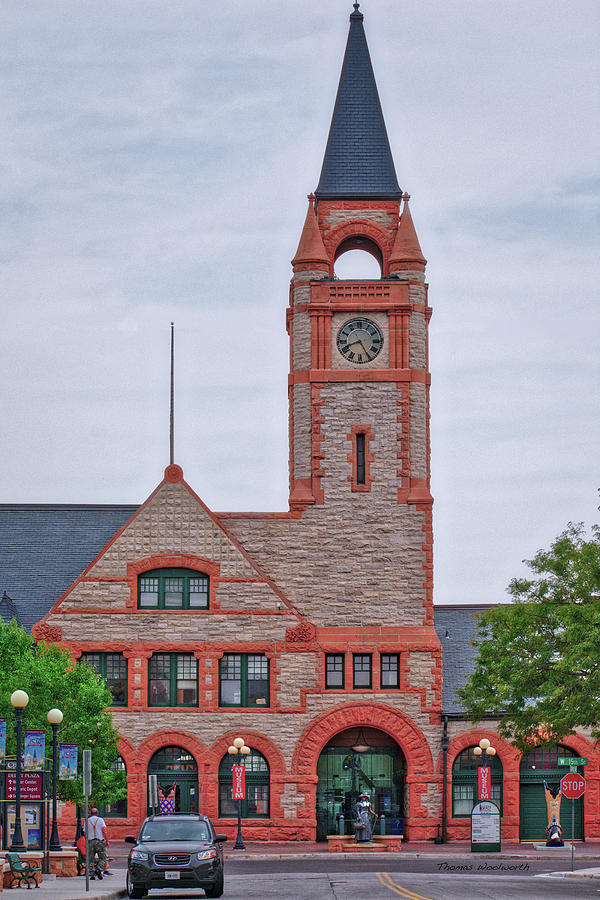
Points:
(172, 402)
(356, 14)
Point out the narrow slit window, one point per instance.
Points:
(360, 458)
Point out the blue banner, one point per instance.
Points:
(2, 739)
(67, 762)
(34, 750)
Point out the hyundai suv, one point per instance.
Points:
(180, 851)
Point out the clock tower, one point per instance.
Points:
(359, 380)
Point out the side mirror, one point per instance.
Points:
(219, 838)
(129, 839)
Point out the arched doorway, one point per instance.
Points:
(177, 773)
(537, 767)
(464, 782)
(344, 773)
(256, 804)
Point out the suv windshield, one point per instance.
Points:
(175, 831)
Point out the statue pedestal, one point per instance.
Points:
(380, 843)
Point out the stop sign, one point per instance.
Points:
(572, 786)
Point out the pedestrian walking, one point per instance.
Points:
(98, 839)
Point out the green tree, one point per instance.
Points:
(538, 667)
(52, 679)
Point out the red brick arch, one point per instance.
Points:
(161, 739)
(508, 755)
(255, 741)
(360, 228)
(409, 738)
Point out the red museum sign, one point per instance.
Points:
(238, 774)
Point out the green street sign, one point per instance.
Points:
(572, 760)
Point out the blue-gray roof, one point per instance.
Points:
(456, 627)
(44, 548)
(358, 161)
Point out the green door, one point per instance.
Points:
(533, 814)
(177, 776)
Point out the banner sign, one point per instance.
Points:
(484, 783)
(2, 739)
(31, 786)
(34, 750)
(67, 762)
(238, 774)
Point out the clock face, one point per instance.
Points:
(359, 341)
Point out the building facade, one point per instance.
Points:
(309, 632)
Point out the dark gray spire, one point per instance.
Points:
(358, 161)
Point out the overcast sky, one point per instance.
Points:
(154, 166)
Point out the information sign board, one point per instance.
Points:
(238, 774)
(485, 827)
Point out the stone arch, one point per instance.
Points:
(407, 735)
(130, 756)
(509, 755)
(161, 739)
(256, 741)
(344, 237)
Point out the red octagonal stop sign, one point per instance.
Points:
(572, 786)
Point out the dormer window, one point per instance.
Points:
(173, 589)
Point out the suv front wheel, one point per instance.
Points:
(217, 888)
(134, 890)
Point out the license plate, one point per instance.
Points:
(171, 876)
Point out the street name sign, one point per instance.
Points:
(572, 760)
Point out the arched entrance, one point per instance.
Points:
(537, 767)
(177, 773)
(345, 772)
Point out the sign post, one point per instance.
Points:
(573, 787)
(87, 790)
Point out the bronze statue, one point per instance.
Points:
(363, 824)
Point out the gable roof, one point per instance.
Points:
(358, 160)
(44, 547)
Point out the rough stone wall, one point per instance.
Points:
(173, 521)
(418, 430)
(340, 216)
(302, 413)
(297, 672)
(301, 346)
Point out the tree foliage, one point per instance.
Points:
(52, 679)
(539, 657)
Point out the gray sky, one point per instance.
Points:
(154, 165)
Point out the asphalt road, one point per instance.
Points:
(387, 885)
(463, 878)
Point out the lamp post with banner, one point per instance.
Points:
(484, 773)
(19, 700)
(238, 784)
(55, 717)
(485, 815)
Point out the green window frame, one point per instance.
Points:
(257, 802)
(362, 670)
(334, 670)
(112, 669)
(173, 679)
(173, 589)
(464, 782)
(390, 670)
(244, 680)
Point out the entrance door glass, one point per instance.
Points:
(177, 774)
(344, 774)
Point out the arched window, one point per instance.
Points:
(464, 782)
(357, 263)
(118, 808)
(177, 777)
(173, 589)
(256, 804)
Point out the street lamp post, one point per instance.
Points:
(55, 717)
(484, 749)
(239, 746)
(19, 700)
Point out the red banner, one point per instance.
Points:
(484, 783)
(238, 775)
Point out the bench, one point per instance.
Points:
(22, 871)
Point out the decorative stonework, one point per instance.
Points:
(43, 632)
(302, 634)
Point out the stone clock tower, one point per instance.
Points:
(359, 380)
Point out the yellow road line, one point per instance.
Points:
(386, 879)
